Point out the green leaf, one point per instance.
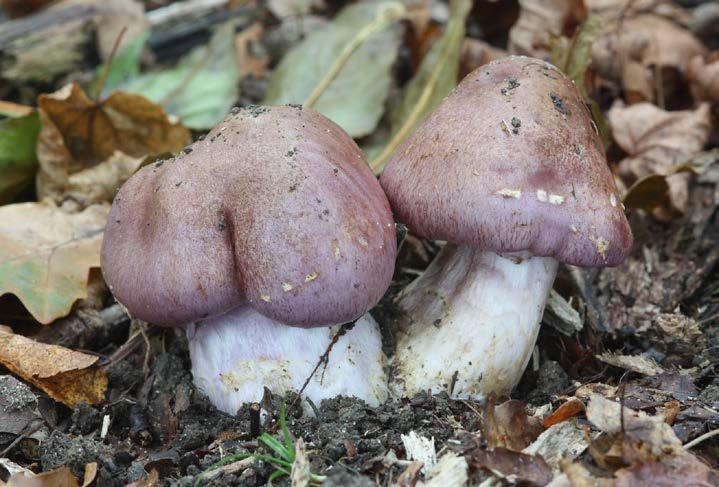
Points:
(436, 77)
(18, 161)
(201, 88)
(573, 56)
(355, 98)
(124, 66)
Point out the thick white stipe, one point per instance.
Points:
(236, 355)
(470, 323)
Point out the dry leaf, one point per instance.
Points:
(644, 51)
(689, 472)
(508, 464)
(112, 17)
(450, 471)
(540, 21)
(571, 408)
(77, 133)
(61, 477)
(635, 363)
(100, 183)
(704, 78)
(475, 53)
(656, 141)
(46, 255)
(637, 426)
(508, 425)
(67, 376)
(562, 440)
(90, 474)
(578, 476)
(246, 51)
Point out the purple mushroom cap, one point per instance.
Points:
(509, 162)
(276, 207)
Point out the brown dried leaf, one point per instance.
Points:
(61, 477)
(571, 408)
(100, 183)
(247, 58)
(505, 463)
(704, 78)
(656, 142)
(508, 425)
(65, 375)
(655, 436)
(643, 51)
(636, 363)
(90, 474)
(578, 476)
(540, 22)
(476, 53)
(46, 255)
(77, 133)
(688, 471)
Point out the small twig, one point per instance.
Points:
(106, 70)
(24, 435)
(11, 109)
(324, 359)
(148, 348)
(389, 13)
(702, 438)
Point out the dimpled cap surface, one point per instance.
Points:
(510, 161)
(276, 207)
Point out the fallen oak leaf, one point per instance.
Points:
(541, 21)
(570, 408)
(77, 132)
(67, 376)
(60, 477)
(704, 78)
(46, 255)
(508, 425)
(513, 466)
(656, 147)
(642, 49)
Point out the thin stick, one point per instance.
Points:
(106, 71)
(388, 14)
(702, 438)
(11, 109)
(324, 359)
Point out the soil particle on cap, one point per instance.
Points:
(256, 110)
(516, 123)
(559, 104)
(512, 83)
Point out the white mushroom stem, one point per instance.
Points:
(236, 355)
(470, 322)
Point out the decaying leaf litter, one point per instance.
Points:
(622, 388)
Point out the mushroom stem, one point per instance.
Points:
(236, 355)
(469, 323)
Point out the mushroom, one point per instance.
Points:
(510, 171)
(273, 219)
